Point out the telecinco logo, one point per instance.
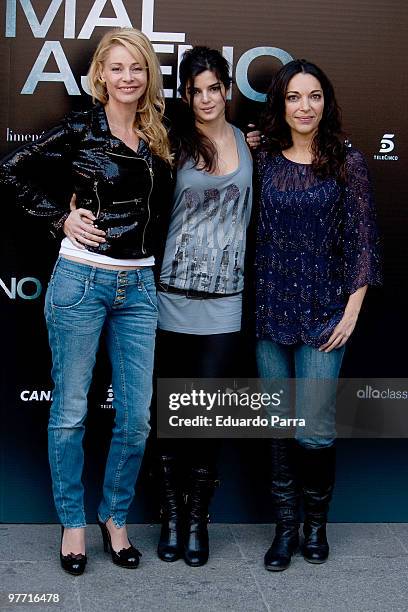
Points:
(387, 145)
(28, 288)
(109, 399)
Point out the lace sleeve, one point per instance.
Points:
(259, 167)
(260, 162)
(361, 243)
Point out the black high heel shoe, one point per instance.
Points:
(72, 563)
(127, 557)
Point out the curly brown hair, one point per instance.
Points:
(328, 144)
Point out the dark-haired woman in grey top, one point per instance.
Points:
(200, 288)
(205, 248)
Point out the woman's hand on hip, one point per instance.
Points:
(341, 333)
(79, 227)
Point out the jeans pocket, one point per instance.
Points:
(68, 291)
(149, 289)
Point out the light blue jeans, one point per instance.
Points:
(81, 301)
(315, 400)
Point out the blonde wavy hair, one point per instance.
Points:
(150, 109)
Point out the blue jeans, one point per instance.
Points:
(81, 301)
(315, 400)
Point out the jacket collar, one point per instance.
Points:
(100, 125)
(101, 129)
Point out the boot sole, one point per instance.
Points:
(169, 560)
(315, 561)
(195, 564)
(276, 569)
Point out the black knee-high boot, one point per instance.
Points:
(317, 476)
(285, 500)
(170, 546)
(200, 492)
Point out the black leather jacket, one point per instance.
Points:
(129, 193)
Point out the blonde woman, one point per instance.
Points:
(116, 159)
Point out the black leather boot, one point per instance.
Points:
(202, 484)
(285, 499)
(170, 546)
(318, 475)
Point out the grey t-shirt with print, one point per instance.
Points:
(205, 247)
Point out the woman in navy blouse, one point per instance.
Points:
(316, 254)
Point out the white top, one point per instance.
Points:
(68, 248)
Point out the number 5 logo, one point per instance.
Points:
(387, 145)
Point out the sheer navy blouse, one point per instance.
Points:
(317, 243)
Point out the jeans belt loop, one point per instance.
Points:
(92, 275)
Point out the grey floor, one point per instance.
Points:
(367, 571)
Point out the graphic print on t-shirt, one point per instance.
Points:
(205, 245)
(210, 248)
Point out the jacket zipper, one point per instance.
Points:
(97, 197)
(135, 200)
(150, 192)
(148, 207)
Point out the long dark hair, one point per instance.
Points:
(328, 146)
(190, 142)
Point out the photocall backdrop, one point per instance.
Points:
(45, 51)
